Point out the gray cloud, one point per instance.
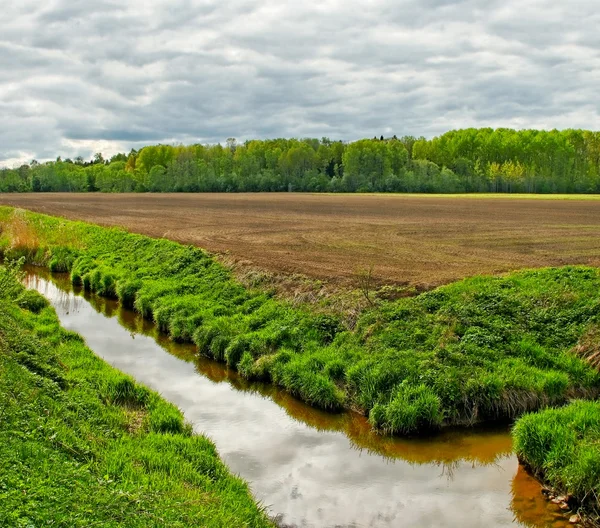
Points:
(78, 77)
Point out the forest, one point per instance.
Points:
(459, 161)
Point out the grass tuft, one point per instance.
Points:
(562, 447)
(411, 409)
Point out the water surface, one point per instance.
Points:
(311, 468)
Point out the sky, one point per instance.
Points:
(79, 76)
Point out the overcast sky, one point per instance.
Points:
(79, 76)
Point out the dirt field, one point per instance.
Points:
(417, 240)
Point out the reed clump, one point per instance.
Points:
(20, 238)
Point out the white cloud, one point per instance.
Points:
(80, 76)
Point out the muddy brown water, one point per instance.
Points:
(308, 467)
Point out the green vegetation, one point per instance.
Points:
(471, 160)
(562, 447)
(84, 445)
(482, 349)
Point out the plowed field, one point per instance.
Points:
(417, 240)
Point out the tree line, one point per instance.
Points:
(469, 160)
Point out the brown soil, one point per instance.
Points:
(417, 240)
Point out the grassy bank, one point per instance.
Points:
(84, 445)
(482, 349)
(562, 448)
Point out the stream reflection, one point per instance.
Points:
(309, 467)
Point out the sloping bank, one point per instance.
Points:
(562, 448)
(482, 349)
(83, 444)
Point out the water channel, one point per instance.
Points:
(311, 468)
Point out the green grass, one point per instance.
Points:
(562, 447)
(84, 445)
(479, 350)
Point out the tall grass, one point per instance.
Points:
(85, 445)
(562, 446)
(482, 349)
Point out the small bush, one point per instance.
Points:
(328, 326)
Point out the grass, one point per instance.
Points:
(84, 445)
(562, 447)
(480, 350)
